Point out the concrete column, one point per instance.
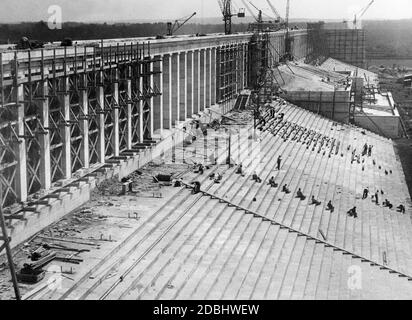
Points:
(115, 117)
(174, 89)
(213, 77)
(65, 132)
(178, 85)
(158, 101)
(129, 115)
(151, 103)
(44, 139)
(84, 127)
(189, 84)
(166, 97)
(182, 86)
(140, 81)
(202, 79)
(100, 120)
(20, 148)
(208, 80)
(196, 77)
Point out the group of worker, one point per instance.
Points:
(367, 150)
(386, 203)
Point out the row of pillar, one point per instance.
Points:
(188, 86)
(187, 81)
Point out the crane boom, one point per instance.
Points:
(361, 14)
(366, 9)
(178, 24)
(249, 10)
(275, 12)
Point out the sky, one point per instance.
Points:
(131, 10)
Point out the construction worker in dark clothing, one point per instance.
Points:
(256, 178)
(300, 195)
(285, 189)
(401, 208)
(352, 212)
(365, 194)
(387, 204)
(316, 202)
(196, 187)
(239, 169)
(330, 207)
(377, 197)
(279, 161)
(273, 183)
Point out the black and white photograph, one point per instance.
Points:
(206, 156)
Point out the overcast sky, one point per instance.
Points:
(117, 10)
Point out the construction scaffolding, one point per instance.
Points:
(232, 72)
(63, 110)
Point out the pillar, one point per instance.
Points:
(208, 81)
(100, 122)
(20, 147)
(84, 125)
(202, 82)
(166, 97)
(64, 99)
(182, 86)
(44, 139)
(175, 88)
(140, 83)
(158, 101)
(189, 84)
(115, 115)
(129, 112)
(196, 78)
(213, 77)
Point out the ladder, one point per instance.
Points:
(6, 246)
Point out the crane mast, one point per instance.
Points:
(226, 9)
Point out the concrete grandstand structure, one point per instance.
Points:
(117, 113)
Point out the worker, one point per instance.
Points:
(239, 169)
(401, 208)
(256, 178)
(370, 150)
(212, 176)
(330, 207)
(377, 198)
(218, 178)
(285, 189)
(365, 193)
(196, 187)
(273, 183)
(316, 202)
(352, 212)
(365, 150)
(178, 183)
(201, 169)
(387, 204)
(279, 162)
(300, 195)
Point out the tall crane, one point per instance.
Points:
(275, 12)
(226, 9)
(361, 13)
(250, 11)
(259, 17)
(288, 39)
(173, 27)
